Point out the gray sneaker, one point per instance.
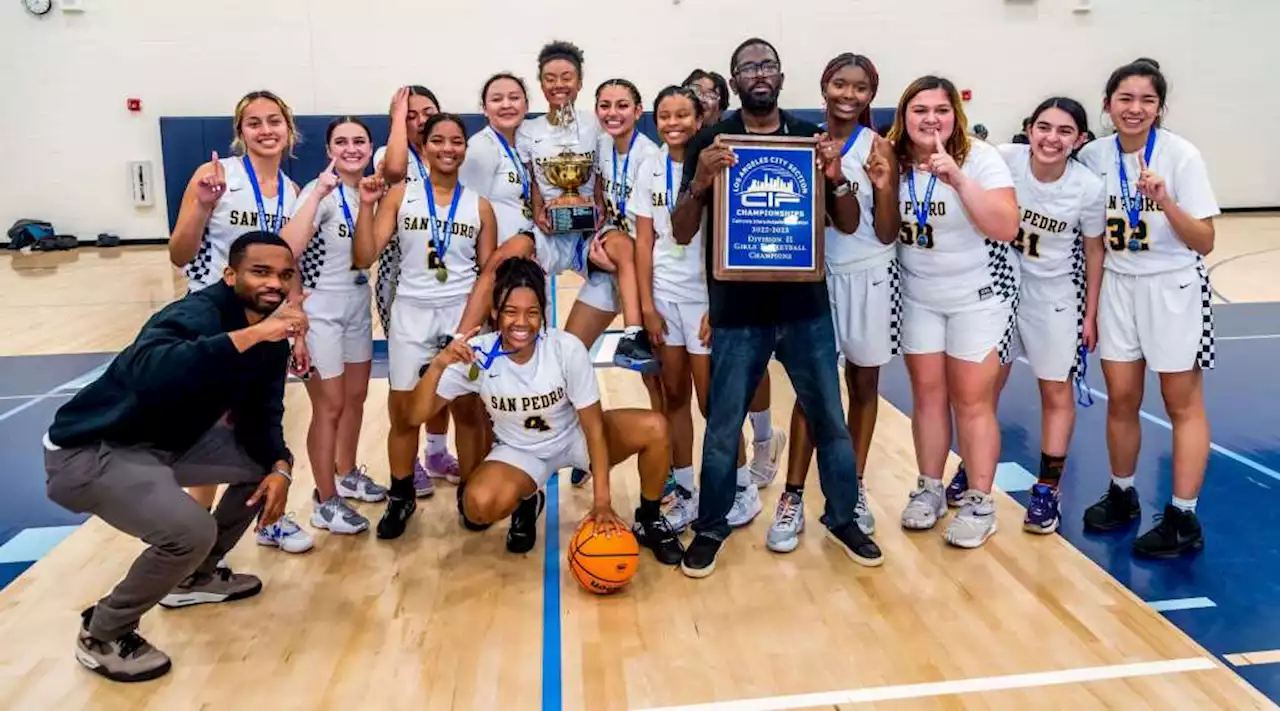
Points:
(975, 523)
(128, 658)
(788, 524)
(220, 586)
(336, 516)
(357, 484)
(925, 507)
(862, 512)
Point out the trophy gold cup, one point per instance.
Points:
(570, 212)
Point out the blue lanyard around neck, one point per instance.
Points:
(1132, 204)
(422, 169)
(520, 171)
(493, 354)
(620, 188)
(442, 245)
(921, 210)
(346, 211)
(853, 138)
(257, 195)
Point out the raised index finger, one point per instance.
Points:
(332, 163)
(937, 140)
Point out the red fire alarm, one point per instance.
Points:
(134, 105)
(966, 94)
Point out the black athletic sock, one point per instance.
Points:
(1051, 469)
(797, 490)
(649, 511)
(402, 488)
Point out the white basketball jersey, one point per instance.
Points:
(679, 271)
(862, 249)
(419, 262)
(618, 175)
(534, 405)
(1159, 248)
(538, 141)
(947, 263)
(235, 213)
(326, 262)
(413, 170)
(1054, 217)
(498, 177)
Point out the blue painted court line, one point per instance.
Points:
(31, 544)
(1185, 603)
(1012, 476)
(73, 384)
(551, 691)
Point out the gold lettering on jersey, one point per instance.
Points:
(1146, 204)
(936, 209)
(1036, 221)
(246, 218)
(419, 222)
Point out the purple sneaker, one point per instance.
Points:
(955, 490)
(1042, 512)
(423, 487)
(443, 465)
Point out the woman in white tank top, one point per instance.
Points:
(446, 232)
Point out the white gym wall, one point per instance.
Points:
(69, 137)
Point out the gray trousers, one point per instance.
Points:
(139, 491)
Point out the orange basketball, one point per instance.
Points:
(601, 564)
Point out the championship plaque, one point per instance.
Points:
(770, 211)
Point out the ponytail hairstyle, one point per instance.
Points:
(437, 119)
(292, 138)
(484, 92)
(683, 91)
(866, 65)
(518, 272)
(957, 143)
(341, 120)
(1072, 108)
(1141, 67)
(625, 84)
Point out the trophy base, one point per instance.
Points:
(567, 219)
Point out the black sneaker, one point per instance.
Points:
(658, 537)
(1176, 532)
(524, 524)
(462, 516)
(857, 544)
(635, 353)
(1118, 509)
(396, 517)
(700, 557)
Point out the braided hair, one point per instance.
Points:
(519, 272)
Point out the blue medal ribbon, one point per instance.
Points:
(361, 277)
(487, 358)
(921, 211)
(441, 246)
(520, 171)
(1132, 201)
(620, 189)
(853, 138)
(257, 195)
(422, 169)
(1084, 395)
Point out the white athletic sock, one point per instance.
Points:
(684, 478)
(744, 476)
(1185, 505)
(761, 425)
(437, 443)
(1124, 482)
(631, 330)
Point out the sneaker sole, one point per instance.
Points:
(759, 507)
(286, 547)
(785, 546)
(644, 367)
(320, 524)
(1107, 528)
(698, 573)
(930, 527)
(1193, 547)
(864, 562)
(357, 496)
(424, 493)
(971, 545)
(88, 662)
(173, 601)
(1042, 530)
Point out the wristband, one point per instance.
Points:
(287, 476)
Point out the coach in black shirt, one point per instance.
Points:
(750, 321)
(197, 399)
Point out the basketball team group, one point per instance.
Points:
(959, 255)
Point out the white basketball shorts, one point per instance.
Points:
(539, 469)
(340, 331)
(416, 333)
(1051, 325)
(1165, 318)
(968, 335)
(866, 308)
(683, 322)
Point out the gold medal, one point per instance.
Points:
(474, 372)
(442, 275)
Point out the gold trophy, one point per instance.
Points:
(571, 212)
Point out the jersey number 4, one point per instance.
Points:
(535, 422)
(1027, 242)
(1120, 236)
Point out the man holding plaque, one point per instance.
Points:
(766, 211)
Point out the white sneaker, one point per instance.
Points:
(788, 524)
(925, 507)
(765, 458)
(357, 484)
(975, 523)
(862, 512)
(286, 535)
(336, 516)
(746, 506)
(683, 510)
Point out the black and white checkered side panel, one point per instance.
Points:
(1079, 279)
(388, 274)
(895, 307)
(1208, 351)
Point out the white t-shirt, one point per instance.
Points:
(412, 174)
(618, 177)
(235, 214)
(418, 262)
(537, 141)
(1054, 218)
(862, 249)
(957, 267)
(326, 262)
(498, 177)
(679, 271)
(534, 405)
(1180, 165)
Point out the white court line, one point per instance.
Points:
(1247, 338)
(959, 686)
(75, 383)
(28, 397)
(1240, 458)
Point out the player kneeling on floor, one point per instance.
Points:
(540, 390)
